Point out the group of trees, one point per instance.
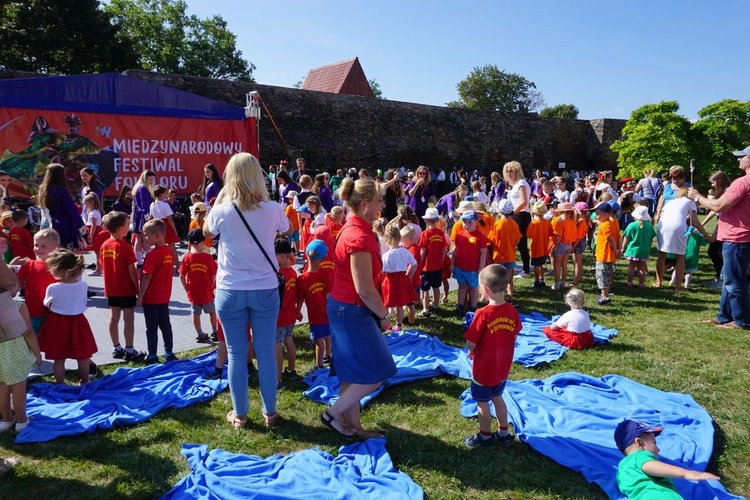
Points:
(656, 136)
(487, 88)
(82, 36)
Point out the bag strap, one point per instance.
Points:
(254, 237)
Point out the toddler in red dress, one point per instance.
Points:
(67, 334)
(572, 329)
(398, 268)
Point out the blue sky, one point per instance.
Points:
(607, 57)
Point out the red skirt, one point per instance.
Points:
(99, 238)
(446, 267)
(573, 340)
(171, 234)
(397, 290)
(67, 337)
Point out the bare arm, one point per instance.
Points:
(133, 275)
(708, 217)
(720, 204)
(696, 224)
(8, 279)
(207, 233)
(361, 266)
(145, 282)
(661, 469)
(470, 345)
(183, 280)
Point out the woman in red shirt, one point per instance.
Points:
(356, 313)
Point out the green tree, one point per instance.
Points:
(375, 86)
(54, 37)
(489, 89)
(723, 126)
(168, 40)
(560, 111)
(655, 136)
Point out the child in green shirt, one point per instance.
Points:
(640, 475)
(692, 255)
(636, 245)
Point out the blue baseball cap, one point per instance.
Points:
(316, 249)
(628, 430)
(469, 215)
(304, 208)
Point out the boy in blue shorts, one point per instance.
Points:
(491, 339)
(288, 314)
(313, 288)
(469, 257)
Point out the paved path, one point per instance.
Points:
(180, 316)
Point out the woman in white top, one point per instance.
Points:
(246, 283)
(672, 234)
(519, 194)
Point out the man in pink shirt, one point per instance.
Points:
(734, 232)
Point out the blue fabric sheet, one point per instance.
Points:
(361, 470)
(571, 418)
(416, 355)
(126, 397)
(533, 347)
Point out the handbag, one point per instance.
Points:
(279, 276)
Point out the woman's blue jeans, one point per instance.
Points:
(260, 308)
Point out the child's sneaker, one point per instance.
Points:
(169, 356)
(214, 336)
(424, 313)
(280, 385)
(134, 356)
(327, 359)
(118, 353)
(396, 329)
(93, 370)
(479, 441)
(152, 359)
(506, 440)
(555, 285)
(291, 374)
(314, 369)
(216, 374)
(459, 310)
(203, 338)
(603, 300)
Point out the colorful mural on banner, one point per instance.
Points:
(118, 147)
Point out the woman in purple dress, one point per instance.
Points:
(144, 195)
(64, 216)
(286, 184)
(322, 191)
(421, 192)
(212, 183)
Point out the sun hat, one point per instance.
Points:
(581, 206)
(506, 207)
(464, 206)
(199, 208)
(316, 249)
(565, 207)
(469, 215)
(628, 430)
(431, 214)
(641, 213)
(291, 194)
(479, 207)
(539, 208)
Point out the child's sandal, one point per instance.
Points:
(272, 419)
(236, 421)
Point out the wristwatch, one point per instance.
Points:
(697, 198)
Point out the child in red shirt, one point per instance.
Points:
(335, 220)
(34, 277)
(120, 285)
(433, 250)
(313, 288)
(288, 314)
(491, 339)
(156, 290)
(21, 242)
(407, 240)
(468, 259)
(198, 277)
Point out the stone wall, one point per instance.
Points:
(332, 130)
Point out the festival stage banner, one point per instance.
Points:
(118, 147)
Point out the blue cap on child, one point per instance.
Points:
(316, 249)
(628, 430)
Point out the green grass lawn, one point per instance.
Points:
(661, 344)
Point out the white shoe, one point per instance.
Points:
(555, 285)
(95, 273)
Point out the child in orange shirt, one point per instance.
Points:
(199, 216)
(433, 250)
(198, 277)
(21, 242)
(504, 238)
(582, 229)
(566, 234)
(607, 249)
(539, 232)
(291, 214)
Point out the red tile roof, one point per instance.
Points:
(345, 77)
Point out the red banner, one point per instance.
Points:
(118, 147)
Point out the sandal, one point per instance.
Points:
(364, 435)
(236, 421)
(7, 464)
(327, 420)
(272, 419)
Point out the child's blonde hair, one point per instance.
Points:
(96, 203)
(48, 234)
(155, 226)
(495, 277)
(407, 232)
(337, 212)
(575, 298)
(65, 262)
(378, 225)
(392, 236)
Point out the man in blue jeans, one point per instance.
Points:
(734, 232)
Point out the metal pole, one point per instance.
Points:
(253, 110)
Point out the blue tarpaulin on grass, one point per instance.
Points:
(128, 396)
(361, 470)
(571, 418)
